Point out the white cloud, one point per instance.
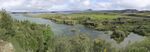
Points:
(104, 5)
(73, 1)
(73, 4)
(10, 3)
(136, 4)
(86, 3)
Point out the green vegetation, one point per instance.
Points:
(145, 15)
(121, 25)
(80, 43)
(72, 19)
(30, 37)
(25, 36)
(139, 46)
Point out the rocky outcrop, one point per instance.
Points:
(6, 46)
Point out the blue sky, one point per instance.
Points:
(59, 5)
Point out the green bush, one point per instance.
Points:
(25, 36)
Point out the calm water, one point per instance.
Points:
(61, 29)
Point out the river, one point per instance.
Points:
(61, 29)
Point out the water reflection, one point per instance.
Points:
(61, 29)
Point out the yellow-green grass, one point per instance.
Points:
(72, 16)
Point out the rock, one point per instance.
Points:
(6, 46)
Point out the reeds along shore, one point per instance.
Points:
(30, 37)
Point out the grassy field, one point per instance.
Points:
(120, 24)
(24, 35)
(30, 37)
(78, 15)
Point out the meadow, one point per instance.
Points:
(30, 37)
(120, 24)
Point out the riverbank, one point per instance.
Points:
(34, 37)
(126, 24)
(120, 24)
(30, 37)
(24, 35)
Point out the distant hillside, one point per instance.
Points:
(81, 11)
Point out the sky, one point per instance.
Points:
(64, 5)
